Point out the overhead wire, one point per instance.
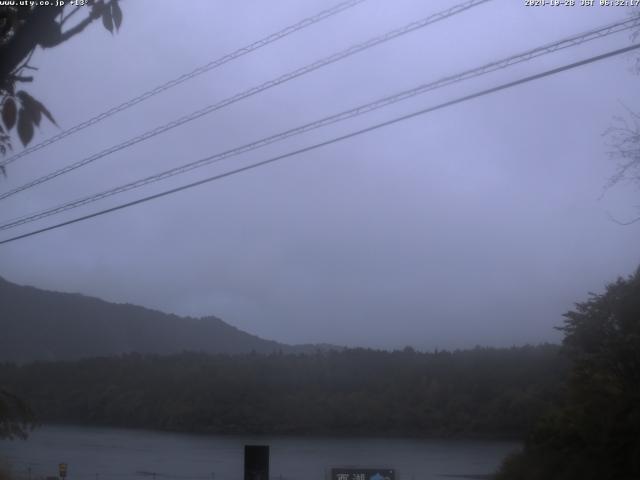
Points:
(354, 49)
(304, 23)
(315, 146)
(511, 60)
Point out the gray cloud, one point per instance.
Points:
(478, 224)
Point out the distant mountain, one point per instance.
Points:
(44, 325)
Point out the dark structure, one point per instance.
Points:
(256, 462)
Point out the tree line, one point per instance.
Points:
(483, 391)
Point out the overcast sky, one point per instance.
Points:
(478, 224)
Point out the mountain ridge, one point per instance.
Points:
(38, 324)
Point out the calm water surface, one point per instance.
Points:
(105, 453)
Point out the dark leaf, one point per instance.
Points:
(24, 97)
(47, 113)
(35, 108)
(9, 112)
(31, 105)
(116, 14)
(25, 126)
(107, 19)
(36, 116)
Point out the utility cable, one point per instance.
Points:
(377, 126)
(341, 7)
(253, 91)
(344, 115)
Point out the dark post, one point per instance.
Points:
(256, 462)
(62, 470)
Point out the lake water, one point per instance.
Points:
(105, 453)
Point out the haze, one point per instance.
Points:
(478, 224)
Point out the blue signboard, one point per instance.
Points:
(362, 474)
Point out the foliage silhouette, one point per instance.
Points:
(22, 30)
(594, 432)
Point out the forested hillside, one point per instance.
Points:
(43, 325)
(474, 392)
(593, 432)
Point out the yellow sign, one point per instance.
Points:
(62, 469)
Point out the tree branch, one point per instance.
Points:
(619, 222)
(40, 23)
(40, 29)
(67, 17)
(74, 30)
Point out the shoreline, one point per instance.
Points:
(305, 435)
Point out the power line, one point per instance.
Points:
(331, 141)
(344, 115)
(255, 90)
(306, 22)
